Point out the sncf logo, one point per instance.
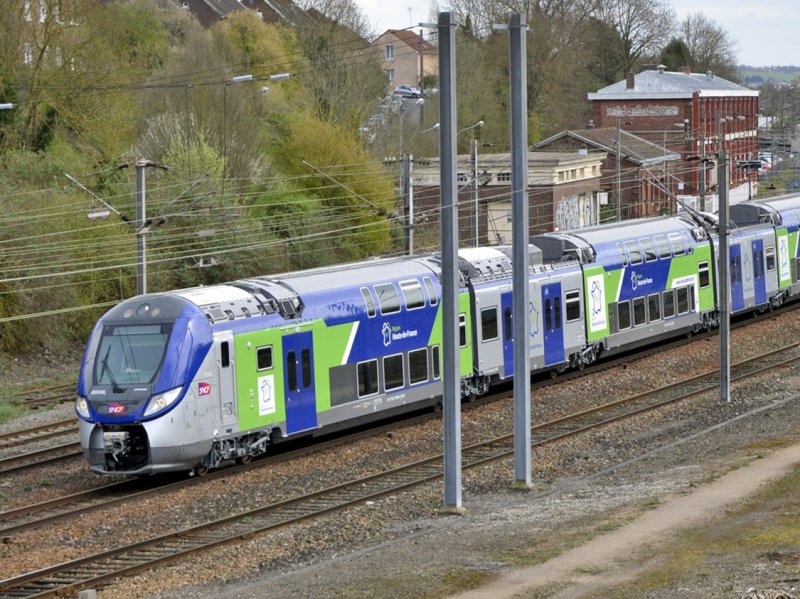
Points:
(116, 409)
(203, 389)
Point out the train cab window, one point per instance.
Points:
(664, 250)
(623, 315)
(368, 301)
(393, 372)
(417, 366)
(387, 298)
(573, 301)
(669, 303)
(770, 253)
(367, 374)
(683, 300)
(291, 369)
(489, 324)
(224, 354)
(654, 307)
(557, 312)
(639, 312)
(634, 253)
(649, 249)
(264, 358)
(623, 256)
(703, 274)
(305, 367)
(462, 330)
(431, 290)
(412, 294)
(677, 244)
(437, 373)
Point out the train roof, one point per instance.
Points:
(779, 211)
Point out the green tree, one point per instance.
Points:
(676, 54)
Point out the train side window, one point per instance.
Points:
(367, 373)
(770, 257)
(387, 298)
(508, 324)
(623, 315)
(634, 253)
(557, 311)
(368, 301)
(654, 307)
(305, 363)
(669, 303)
(393, 372)
(264, 358)
(548, 315)
(431, 291)
(573, 301)
(649, 249)
(663, 247)
(623, 256)
(462, 330)
(437, 374)
(704, 276)
(489, 324)
(224, 354)
(291, 369)
(683, 300)
(677, 244)
(639, 312)
(412, 294)
(418, 366)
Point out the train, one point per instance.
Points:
(193, 379)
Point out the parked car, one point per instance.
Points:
(407, 91)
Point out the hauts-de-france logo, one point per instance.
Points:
(395, 333)
(638, 280)
(387, 334)
(597, 303)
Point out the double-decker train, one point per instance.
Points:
(192, 379)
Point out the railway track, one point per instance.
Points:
(40, 457)
(38, 433)
(97, 569)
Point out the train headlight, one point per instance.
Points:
(162, 401)
(82, 408)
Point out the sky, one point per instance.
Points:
(763, 31)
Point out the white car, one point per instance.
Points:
(407, 91)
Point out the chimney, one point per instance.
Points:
(709, 75)
(685, 70)
(630, 80)
(661, 68)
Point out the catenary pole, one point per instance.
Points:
(724, 272)
(450, 274)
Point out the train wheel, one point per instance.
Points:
(245, 459)
(200, 470)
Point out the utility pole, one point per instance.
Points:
(408, 203)
(724, 273)
(473, 155)
(619, 174)
(702, 173)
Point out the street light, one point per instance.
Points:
(473, 155)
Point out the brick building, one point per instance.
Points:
(406, 58)
(646, 180)
(563, 193)
(679, 111)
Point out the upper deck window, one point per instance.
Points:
(412, 294)
(387, 298)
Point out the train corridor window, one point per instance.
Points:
(623, 315)
(264, 358)
(225, 354)
(548, 315)
(367, 374)
(462, 330)
(418, 366)
(437, 374)
(639, 312)
(770, 252)
(368, 301)
(393, 372)
(573, 301)
(431, 290)
(664, 251)
(654, 307)
(649, 249)
(412, 294)
(623, 256)
(508, 324)
(291, 370)
(489, 324)
(387, 298)
(704, 275)
(677, 244)
(669, 303)
(634, 253)
(305, 367)
(557, 311)
(683, 300)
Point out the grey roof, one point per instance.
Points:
(671, 84)
(634, 149)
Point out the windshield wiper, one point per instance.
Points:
(107, 370)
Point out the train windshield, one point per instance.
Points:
(130, 354)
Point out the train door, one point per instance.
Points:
(759, 279)
(507, 309)
(553, 324)
(301, 403)
(227, 379)
(737, 281)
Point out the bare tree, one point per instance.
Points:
(709, 45)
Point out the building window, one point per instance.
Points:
(504, 177)
(389, 74)
(27, 53)
(389, 52)
(26, 10)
